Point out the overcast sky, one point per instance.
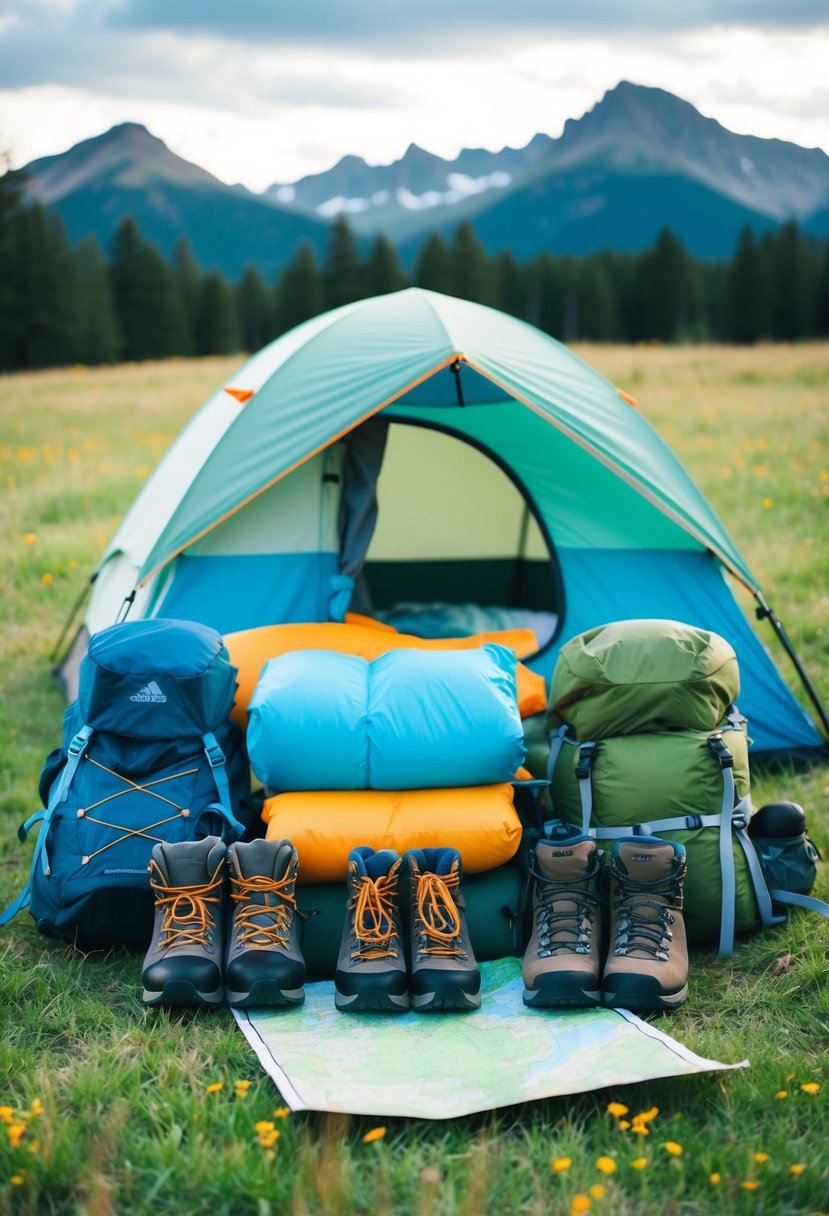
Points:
(260, 91)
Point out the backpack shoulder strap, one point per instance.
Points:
(58, 794)
(216, 760)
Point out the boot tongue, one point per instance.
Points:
(186, 865)
(646, 862)
(260, 857)
(565, 861)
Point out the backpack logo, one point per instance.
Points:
(150, 692)
(642, 857)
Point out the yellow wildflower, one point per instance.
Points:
(617, 1109)
(639, 1163)
(269, 1139)
(559, 1164)
(282, 1112)
(671, 1146)
(597, 1191)
(376, 1133)
(624, 1124)
(751, 1184)
(29, 538)
(241, 1088)
(578, 1204)
(715, 1179)
(781, 1094)
(215, 1087)
(810, 1087)
(262, 1126)
(6, 1114)
(606, 1165)
(796, 1170)
(15, 1133)
(761, 1158)
(17, 1180)
(47, 578)
(36, 1108)
(766, 503)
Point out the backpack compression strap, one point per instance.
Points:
(216, 760)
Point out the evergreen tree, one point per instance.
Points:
(147, 300)
(11, 273)
(46, 291)
(340, 279)
(748, 298)
(254, 310)
(597, 321)
(511, 285)
(667, 290)
(298, 294)
(822, 296)
(433, 268)
(98, 338)
(472, 273)
(216, 327)
(793, 286)
(381, 273)
(188, 275)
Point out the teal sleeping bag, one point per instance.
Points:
(411, 719)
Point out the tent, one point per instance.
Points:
(515, 485)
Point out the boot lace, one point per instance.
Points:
(186, 918)
(263, 898)
(375, 924)
(563, 928)
(438, 920)
(643, 924)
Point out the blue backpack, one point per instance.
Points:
(148, 755)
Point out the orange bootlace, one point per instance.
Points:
(374, 916)
(186, 919)
(437, 915)
(279, 904)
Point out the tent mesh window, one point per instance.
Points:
(454, 530)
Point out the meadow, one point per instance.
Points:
(106, 1107)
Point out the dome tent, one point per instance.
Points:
(509, 475)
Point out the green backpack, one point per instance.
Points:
(645, 739)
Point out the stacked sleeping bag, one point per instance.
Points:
(411, 749)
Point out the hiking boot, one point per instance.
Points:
(444, 973)
(371, 969)
(647, 962)
(264, 964)
(562, 963)
(183, 965)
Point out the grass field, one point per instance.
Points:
(106, 1107)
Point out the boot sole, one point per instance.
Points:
(182, 994)
(643, 993)
(267, 993)
(371, 1002)
(562, 996)
(452, 999)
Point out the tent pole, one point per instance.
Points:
(764, 612)
(70, 620)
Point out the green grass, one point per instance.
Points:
(128, 1124)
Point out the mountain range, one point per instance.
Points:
(639, 161)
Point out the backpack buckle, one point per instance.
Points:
(215, 755)
(587, 754)
(721, 753)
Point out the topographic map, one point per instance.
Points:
(442, 1065)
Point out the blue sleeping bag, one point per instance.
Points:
(411, 719)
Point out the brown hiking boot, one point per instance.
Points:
(647, 962)
(371, 971)
(562, 964)
(444, 974)
(183, 965)
(264, 964)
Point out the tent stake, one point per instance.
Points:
(764, 612)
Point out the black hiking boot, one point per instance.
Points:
(371, 969)
(183, 965)
(264, 964)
